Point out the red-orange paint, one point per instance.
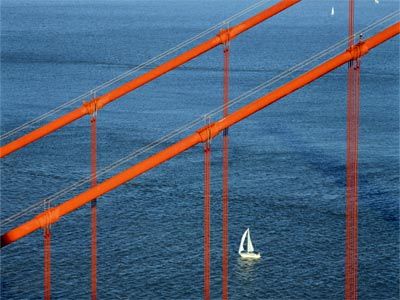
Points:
(53, 214)
(101, 101)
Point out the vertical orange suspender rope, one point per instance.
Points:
(349, 177)
(355, 206)
(200, 136)
(349, 202)
(93, 166)
(47, 262)
(352, 185)
(225, 178)
(207, 162)
(353, 99)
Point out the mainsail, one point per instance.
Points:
(241, 248)
(250, 247)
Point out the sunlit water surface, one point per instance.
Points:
(287, 163)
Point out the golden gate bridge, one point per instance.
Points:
(205, 130)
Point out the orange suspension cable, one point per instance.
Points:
(207, 200)
(47, 262)
(135, 83)
(200, 136)
(93, 166)
(225, 182)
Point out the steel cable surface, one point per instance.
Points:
(133, 70)
(201, 135)
(185, 127)
(133, 84)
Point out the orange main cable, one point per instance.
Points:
(52, 215)
(101, 101)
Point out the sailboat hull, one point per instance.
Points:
(250, 255)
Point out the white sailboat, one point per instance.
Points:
(332, 11)
(249, 253)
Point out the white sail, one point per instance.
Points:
(241, 248)
(250, 247)
(332, 11)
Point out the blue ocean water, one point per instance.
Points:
(287, 167)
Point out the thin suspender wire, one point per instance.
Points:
(131, 71)
(187, 126)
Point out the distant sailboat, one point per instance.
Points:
(332, 11)
(250, 253)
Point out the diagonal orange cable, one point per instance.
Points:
(145, 78)
(200, 136)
